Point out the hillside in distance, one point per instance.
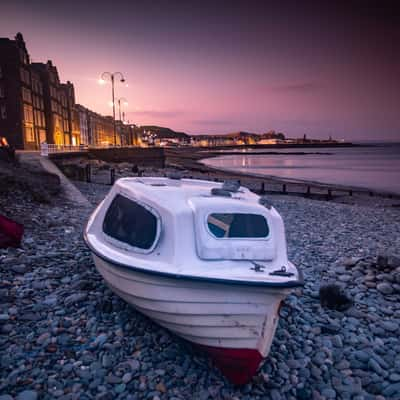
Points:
(168, 133)
(164, 133)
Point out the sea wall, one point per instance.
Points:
(150, 156)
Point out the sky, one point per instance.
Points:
(299, 67)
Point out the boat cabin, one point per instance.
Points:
(190, 227)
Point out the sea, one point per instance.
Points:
(373, 166)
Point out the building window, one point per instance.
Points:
(28, 113)
(129, 222)
(29, 134)
(24, 74)
(23, 56)
(26, 95)
(3, 112)
(42, 135)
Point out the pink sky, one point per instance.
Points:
(211, 70)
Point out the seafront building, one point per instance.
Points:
(36, 107)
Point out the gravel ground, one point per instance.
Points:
(64, 334)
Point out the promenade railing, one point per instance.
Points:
(46, 149)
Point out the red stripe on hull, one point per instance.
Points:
(238, 365)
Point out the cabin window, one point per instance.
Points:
(131, 223)
(237, 225)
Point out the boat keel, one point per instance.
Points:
(238, 365)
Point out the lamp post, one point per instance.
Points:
(119, 106)
(111, 76)
(121, 120)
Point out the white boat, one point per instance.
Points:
(206, 260)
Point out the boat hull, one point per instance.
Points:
(234, 324)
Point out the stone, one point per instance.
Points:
(332, 296)
(27, 395)
(4, 317)
(390, 326)
(392, 390)
(161, 387)
(328, 393)
(120, 388)
(330, 329)
(19, 269)
(362, 356)
(385, 288)
(372, 364)
(337, 341)
(75, 298)
(382, 261)
(345, 278)
(43, 338)
(351, 261)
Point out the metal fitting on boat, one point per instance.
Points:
(264, 201)
(175, 175)
(231, 186)
(220, 192)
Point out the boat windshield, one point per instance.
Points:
(131, 223)
(237, 225)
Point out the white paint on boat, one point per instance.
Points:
(211, 314)
(214, 292)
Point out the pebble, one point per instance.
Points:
(390, 326)
(27, 395)
(6, 397)
(385, 288)
(66, 335)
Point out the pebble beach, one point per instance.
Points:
(65, 335)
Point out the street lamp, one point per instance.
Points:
(125, 102)
(111, 76)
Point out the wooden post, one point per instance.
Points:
(88, 173)
(262, 191)
(112, 176)
(284, 188)
(329, 193)
(308, 191)
(350, 193)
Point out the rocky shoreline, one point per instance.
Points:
(65, 335)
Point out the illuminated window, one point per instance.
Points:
(29, 134)
(28, 113)
(42, 135)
